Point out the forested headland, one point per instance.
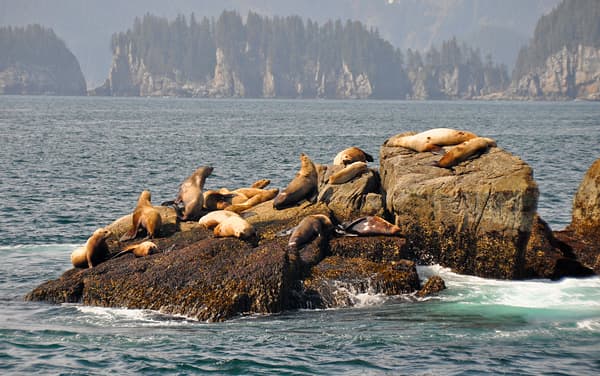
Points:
(288, 57)
(33, 60)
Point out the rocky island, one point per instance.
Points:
(478, 218)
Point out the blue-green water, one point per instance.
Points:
(70, 165)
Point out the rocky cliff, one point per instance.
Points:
(567, 74)
(35, 61)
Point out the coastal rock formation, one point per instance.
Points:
(583, 234)
(475, 219)
(567, 74)
(34, 61)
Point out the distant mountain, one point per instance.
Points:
(35, 61)
(287, 57)
(87, 26)
(563, 58)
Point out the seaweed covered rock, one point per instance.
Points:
(336, 281)
(582, 236)
(475, 218)
(548, 257)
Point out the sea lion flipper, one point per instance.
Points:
(437, 149)
(286, 232)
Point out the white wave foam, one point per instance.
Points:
(590, 325)
(567, 294)
(122, 316)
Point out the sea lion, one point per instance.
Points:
(256, 198)
(464, 151)
(144, 216)
(190, 194)
(213, 218)
(235, 226)
(348, 173)
(142, 249)
(350, 155)
(216, 200)
(308, 229)
(93, 252)
(430, 140)
(303, 185)
(260, 183)
(371, 225)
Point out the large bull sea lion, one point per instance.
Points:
(303, 186)
(371, 225)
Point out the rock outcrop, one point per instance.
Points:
(567, 74)
(583, 234)
(476, 218)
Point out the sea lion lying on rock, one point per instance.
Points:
(303, 186)
(309, 228)
(139, 250)
(146, 217)
(464, 151)
(227, 223)
(239, 199)
(430, 140)
(93, 252)
(369, 226)
(350, 155)
(348, 173)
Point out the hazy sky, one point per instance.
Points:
(496, 26)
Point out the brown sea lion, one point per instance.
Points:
(308, 229)
(260, 183)
(190, 194)
(371, 225)
(350, 155)
(256, 198)
(464, 151)
(303, 186)
(142, 249)
(235, 226)
(93, 252)
(216, 200)
(213, 218)
(430, 140)
(144, 216)
(348, 173)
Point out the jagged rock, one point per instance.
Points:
(433, 285)
(567, 74)
(583, 234)
(548, 257)
(372, 248)
(475, 218)
(336, 280)
(359, 197)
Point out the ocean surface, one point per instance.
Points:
(70, 165)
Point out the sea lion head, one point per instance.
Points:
(145, 197)
(102, 233)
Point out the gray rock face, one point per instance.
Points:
(565, 75)
(33, 80)
(476, 218)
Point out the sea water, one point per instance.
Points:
(70, 165)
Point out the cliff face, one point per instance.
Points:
(566, 75)
(129, 76)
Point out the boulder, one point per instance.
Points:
(359, 197)
(432, 286)
(582, 236)
(475, 218)
(548, 257)
(336, 281)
